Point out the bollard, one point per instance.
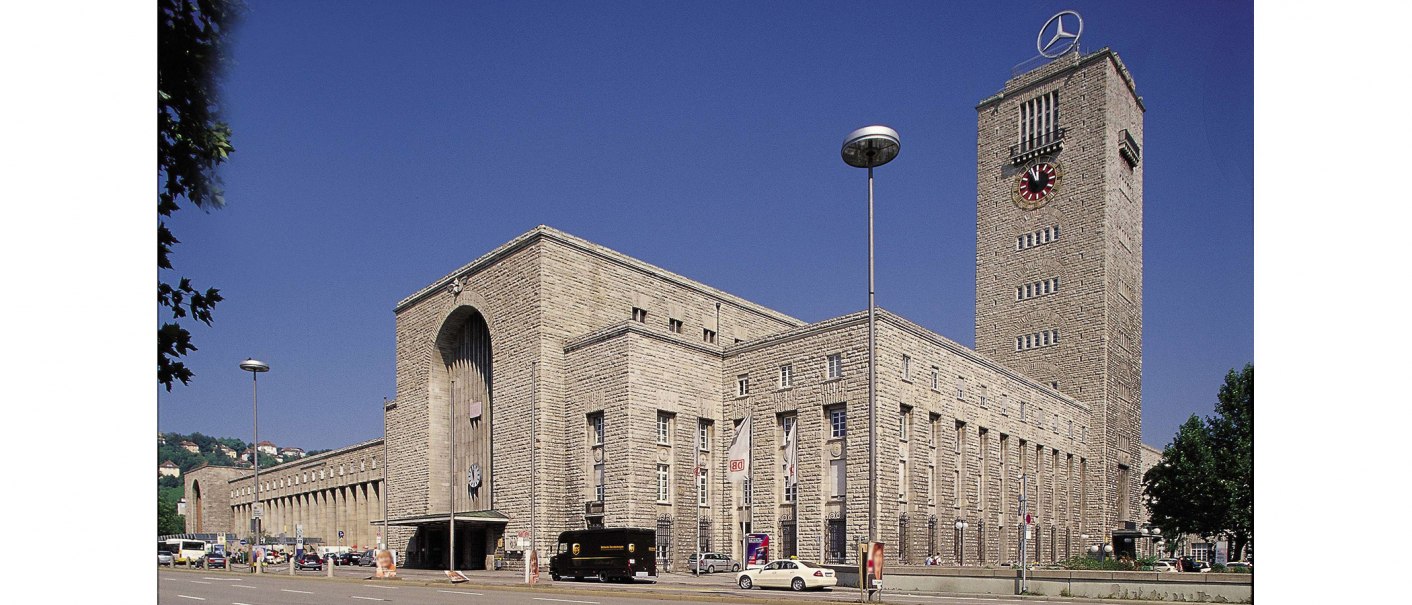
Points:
(292, 563)
(330, 566)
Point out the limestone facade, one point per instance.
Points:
(554, 384)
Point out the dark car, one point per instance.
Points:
(213, 560)
(343, 558)
(369, 558)
(1194, 565)
(309, 560)
(351, 558)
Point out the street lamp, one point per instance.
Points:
(961, 526)
(255, 368)
(870, 147)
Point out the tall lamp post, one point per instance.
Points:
(870, 147)
(255, 368)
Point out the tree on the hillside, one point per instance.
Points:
(168, 521)
(1184, 490)
(1233, 438)
(191, 141)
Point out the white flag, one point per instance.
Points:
(791, 477)
(739, 453)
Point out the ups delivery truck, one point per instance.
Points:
(609, 554)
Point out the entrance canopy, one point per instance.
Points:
(480, 516)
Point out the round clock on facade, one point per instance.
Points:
(1035, 185)
(473, 476)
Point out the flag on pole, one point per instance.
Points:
(739, 453)
(791, 477)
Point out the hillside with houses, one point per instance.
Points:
(178, 454)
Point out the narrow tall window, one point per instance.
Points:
(742, 385)
(595, 424)
(904, 422)
(702, 491)
(936, 379)
(838, 423)
(664, 425)
(639, 315)
(786, 376)
(838, 479)
(834, 367)
(674, 325)
(703, 435)
(960, 387)
(663, 483)
(598, 482)
(906, 367)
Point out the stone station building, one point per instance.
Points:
(556, 384)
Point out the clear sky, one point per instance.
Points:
(381, 145)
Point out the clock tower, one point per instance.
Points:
(1059, 256)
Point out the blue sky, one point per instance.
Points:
(381, 145)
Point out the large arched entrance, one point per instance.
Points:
(461, 397)
(197, 524)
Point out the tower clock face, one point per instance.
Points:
(1035, 185)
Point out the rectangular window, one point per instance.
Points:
(639, 315)
(838, 423)
(664, 427)
(931, 429)
(595, 426)
(598, 482)
(907, 367)
(703, 435)
(904, 421)
(663, 483)
(936, 379)
(786, 376)
(1039, 122)
(931, 484)
(960, 387)
(748, 491)
(901, 480)
(702, 491)
(838, 479)
(708, 335)
(1022, 411)
(789, 424)
(983, 396)
(834, 367)
(742, 385)
(674, 325)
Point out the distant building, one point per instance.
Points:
(268, 448)
(226, 450)
(169, 469)
(191, 447)
(291, 453)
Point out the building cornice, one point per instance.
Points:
(1062, 71)
(545, 232)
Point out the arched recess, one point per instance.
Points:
(461, 397)
(196, 509)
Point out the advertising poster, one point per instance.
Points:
(757, 550)
(874, 566)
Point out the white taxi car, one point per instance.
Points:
(787, 573)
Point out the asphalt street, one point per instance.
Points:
(350, 585)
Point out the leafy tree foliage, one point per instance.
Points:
(1233, 437)
(1204, 483)
(191, 141)
(168, 521)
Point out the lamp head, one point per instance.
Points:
(254, 366)
(870, 147)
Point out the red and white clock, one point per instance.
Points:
(1036, 184)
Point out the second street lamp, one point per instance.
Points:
(255, 368)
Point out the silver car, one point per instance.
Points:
(711, 562)
(165, 558)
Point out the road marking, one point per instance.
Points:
(461, 592)
(368, 598)
(566, 601)
(235, 603)
(378, 586)
(298, 591)
(221, 579)
(199, 582)
(241, 586)
(197, 598)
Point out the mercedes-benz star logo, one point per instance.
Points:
(1059, 39)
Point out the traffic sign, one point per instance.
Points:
(259, 511)
(340, 533)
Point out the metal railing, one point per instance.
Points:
(1038, 145)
